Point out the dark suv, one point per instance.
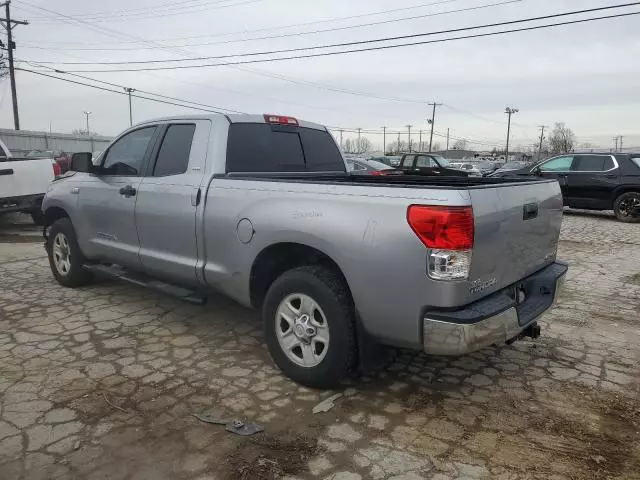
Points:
(594, 181)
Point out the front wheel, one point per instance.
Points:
(627, 207)
(65, 257)
(309, 326)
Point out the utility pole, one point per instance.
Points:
(420, 142)
(9, 24)
(621, 143)
(447, 154)
(358, 147)
(130, 91)
(409, 129)
(432, 122)
(616, 139)
(87, 115)
(398, 143)
(384, 140)
(341, 130)
(542, 127)
(509, 111)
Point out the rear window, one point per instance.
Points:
(257, 147)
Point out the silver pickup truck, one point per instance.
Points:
(261, 209)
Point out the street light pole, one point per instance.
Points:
(384, 140)
(87, 115)
(509, 111)
(129, 91)
(432, 122)
(409, 129)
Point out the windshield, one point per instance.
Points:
(40, 153)
(513, 165)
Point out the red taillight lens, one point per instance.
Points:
(57, 171)
(446, 228)
(280, 119)
(379, 173)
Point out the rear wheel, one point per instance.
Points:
(627, 207)
(309, 326)
(65, 257)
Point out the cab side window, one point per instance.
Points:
(407, 161)
(560, 164)
(593, 163)
(126, 156)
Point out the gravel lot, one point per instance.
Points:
(102, 382)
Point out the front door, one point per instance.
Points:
(592, 181)
(169, 199)
(107, 200)
(558, 168)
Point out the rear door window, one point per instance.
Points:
(591, 163)
(636, 160)
(173, 157)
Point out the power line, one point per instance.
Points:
(282, 27)
(367, 49)
(169, 12)
(314, 32)
(207, 108)
(365, 42)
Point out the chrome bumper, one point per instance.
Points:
(441, 337)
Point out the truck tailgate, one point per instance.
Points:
(516, 233)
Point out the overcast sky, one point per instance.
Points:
(585, 75)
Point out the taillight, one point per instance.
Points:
(448, 233)
(448, 228)
(280, 120)
(57, 171)
(379, 173)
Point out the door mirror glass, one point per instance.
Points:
(81, 162)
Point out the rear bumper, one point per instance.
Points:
(25, 203)
(496, 319)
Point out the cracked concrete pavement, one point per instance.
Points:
(101, 383)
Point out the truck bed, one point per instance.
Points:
(405, 181)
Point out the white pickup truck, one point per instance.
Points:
(24, 182)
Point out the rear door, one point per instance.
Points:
(168, 200)
(107, 200)
(592, 181)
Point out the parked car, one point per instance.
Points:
(469, 168)
(428, 164)
(508, 168)
(24, 182)
(271, 218)
(594, 181)
(62, 158)
(367, 167)
(484, 167)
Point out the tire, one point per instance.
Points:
(333, 320)
(62, 243)
(37, 216)
(623, 204)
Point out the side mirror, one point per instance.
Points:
(81, 162)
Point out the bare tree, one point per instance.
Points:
(460, 144)
(4, 69)
(394, 148)
(562, 139)
(357, 145)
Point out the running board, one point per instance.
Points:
(142, 280)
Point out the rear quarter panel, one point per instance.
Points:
(362, 228)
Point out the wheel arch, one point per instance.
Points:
(277, 258)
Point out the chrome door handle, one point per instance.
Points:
(128, 191)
